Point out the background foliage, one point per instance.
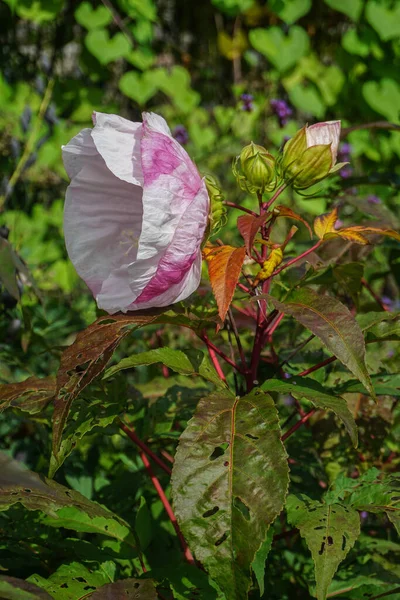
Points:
(191, 62)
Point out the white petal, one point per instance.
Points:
(102, 218)
(118, 142)
(324, 133)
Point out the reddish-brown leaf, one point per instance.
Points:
(87, 357)
(31, 395)
(284, 211)
(224, 266)
(248, 227)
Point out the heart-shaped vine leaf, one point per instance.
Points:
(229, 482)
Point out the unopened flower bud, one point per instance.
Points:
(257, 169)
(310, 155)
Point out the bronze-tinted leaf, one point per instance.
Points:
(224, 266)
(127, 589)
(31, 396)
(248, 226)
(285, 211)
(12, 588)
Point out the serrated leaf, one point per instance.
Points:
(127, 589)
(12, 588)
(330, 531)
(284, 211)
(85, 359)
(258, 564)
(325, 223)
(229, 482)
(62, 506)
(188, 362)
(31, 396)
(224, 266)
(73, 581)
(335, 326)
(248, 225)
(304, 387)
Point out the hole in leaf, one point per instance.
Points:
(221, 539)
(330, 540)
(319, 527)
(89, 587)
(240, 505)
(211, 512)
(64, 585)
(322, 548)
(80, 579)
(106, 527)
(136, 585)
(344, 542)
(218, 451)
(252, 437)
(27, 490)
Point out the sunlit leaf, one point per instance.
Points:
(224, 266)
(188, 362)
(12, 588)
(229, 483)
(330, 531)
(71, 581)
(333, 323)
(325, 223)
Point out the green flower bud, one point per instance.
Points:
(217, 216)
(310, 155)
(257, 169)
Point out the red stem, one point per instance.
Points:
(278, 192)
(299, 423)
(132, 435)
(211, 346)
(325, 362)
(243, 208)
(216, 364)
(375, 296)
(297, 258)
(168, 509)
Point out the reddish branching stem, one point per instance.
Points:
(299, 423)
(325, 362)
(375, 296)
(226, 358)
(168, 509)
(136, 440)
(242, 208)
(297, 258)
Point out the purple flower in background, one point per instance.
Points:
(372, 199)
(344, 155)
(135, 213)
(363, 515)
(282, 111)
(247, 102)
(181, 135)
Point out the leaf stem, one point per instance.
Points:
(132, 435)
(226, 358)
(383, 306)
(299, 423)
(278, 192)
(168, 509)
(240, 207)
(297, 258)
(325, 362)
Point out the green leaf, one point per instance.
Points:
(140, 87)
(351, 8)
(283, 51)
(8, 271)
(355, 43)
(385, 21)
(258, 564)
(330, 531)
(92, 18)
(382, 328)
(383, 97)
(188, 362)
(139, 589)
(18, 589)
(333, 323)
(304, 387)
(71, 581)
(143, 524)
(385, 384)
(106, 50)
(307, 99)
(229, 482)
(63, 507)
(290, 11)
(31, 396)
